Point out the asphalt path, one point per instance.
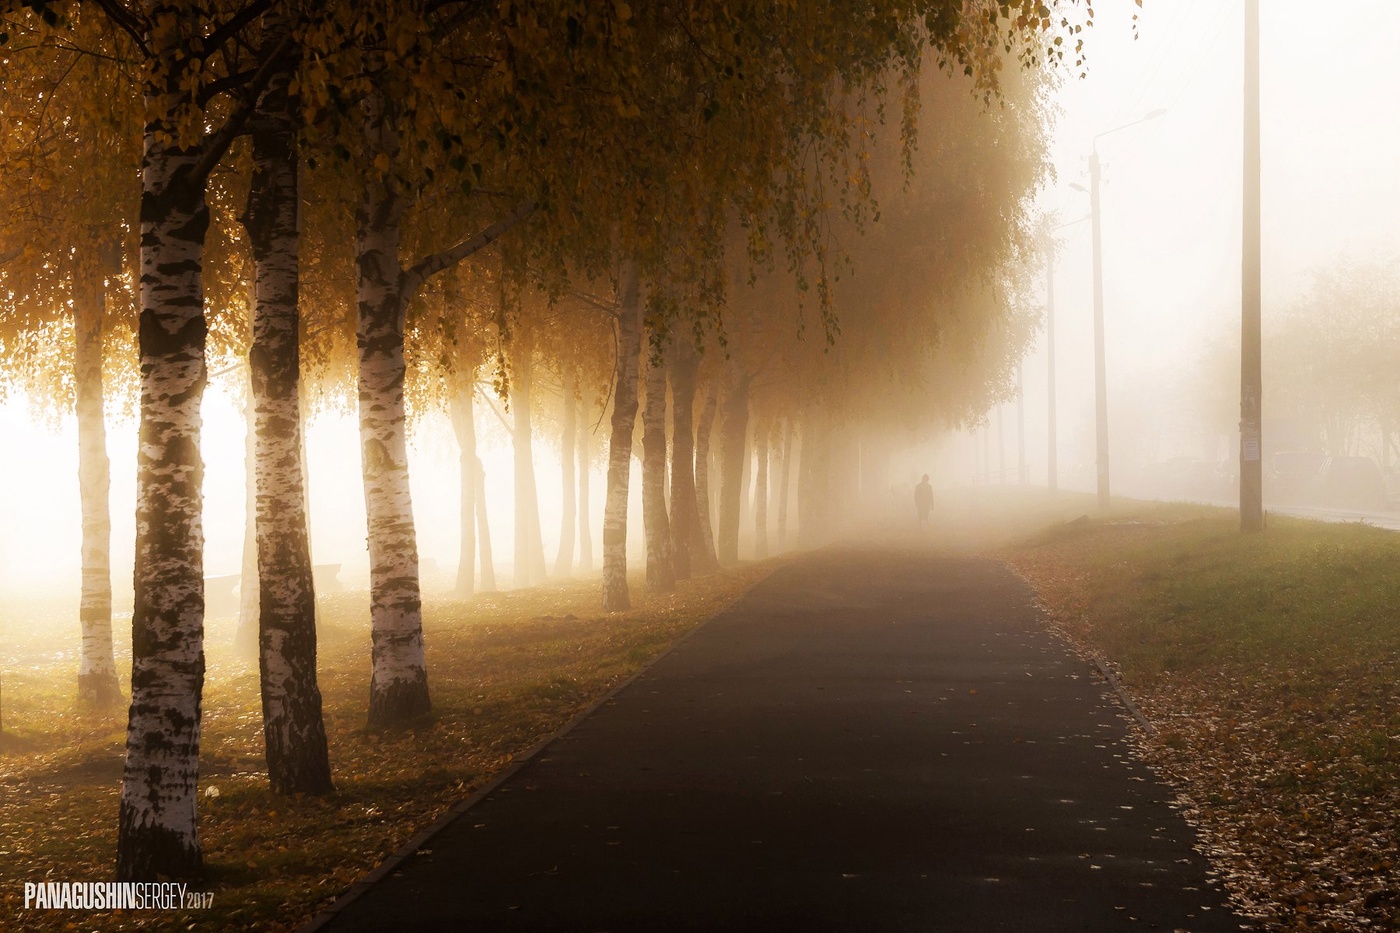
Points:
(874, 741)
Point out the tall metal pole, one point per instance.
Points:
(1100, 374)
(1251, 375)
(1052, 458)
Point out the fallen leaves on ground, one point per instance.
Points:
(505, 670)
(1284, 751)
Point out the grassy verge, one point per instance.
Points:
(1270, 667)
(505, 670)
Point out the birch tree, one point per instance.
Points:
(760, 491)
(733, 452)
(661, 575)
(97, 672)
(293, 728)
(529, 547)
(616, 596)
(63, 238)
(395, 90)
(157, 832)
(187, 129)
(568, 440)
(687, 541)
(705, 557)
(585, 469)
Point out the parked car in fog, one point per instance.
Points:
(1352, 483)
(1295, 476)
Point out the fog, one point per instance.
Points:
(45, 557)
(1170, 213)
(1171, 219)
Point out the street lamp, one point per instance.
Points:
(1048, 245)
(1100, 373)
(1251, 376)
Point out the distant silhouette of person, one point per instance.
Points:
(923, 500)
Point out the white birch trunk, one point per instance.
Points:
(624, 419)
(294, 731)
(529, 546)
(585, 524)
(399, 677)
(464, 427)
(97, 669)
(813, 481)
(661, 575)
(760, 494)
(157, 833)
(564, 559)
(686, 542)
(733, 450)
(483, 532)
(245, 636)
(785, 471)
(704, 558)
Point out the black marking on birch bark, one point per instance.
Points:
(185, 343)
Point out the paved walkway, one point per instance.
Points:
(867, 741)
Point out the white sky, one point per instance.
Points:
(1172, 189)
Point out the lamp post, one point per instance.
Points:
(1100, 369)
(1251, 380)
(1052, 461)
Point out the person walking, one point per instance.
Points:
(923, 500)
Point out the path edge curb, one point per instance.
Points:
(1101, 664)
(360, 886)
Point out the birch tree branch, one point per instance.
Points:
(217, 144)
(414, 278)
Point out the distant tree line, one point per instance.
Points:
(1334, 385)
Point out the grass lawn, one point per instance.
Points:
(1270, 667)
(505, 670)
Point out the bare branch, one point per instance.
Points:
(69, 46)
(233, 25)
(491, 404)
(217, 144)
(607, 307)
(126, 21)
(228, 83)
(414, 278)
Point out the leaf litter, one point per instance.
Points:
(1269, 668)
